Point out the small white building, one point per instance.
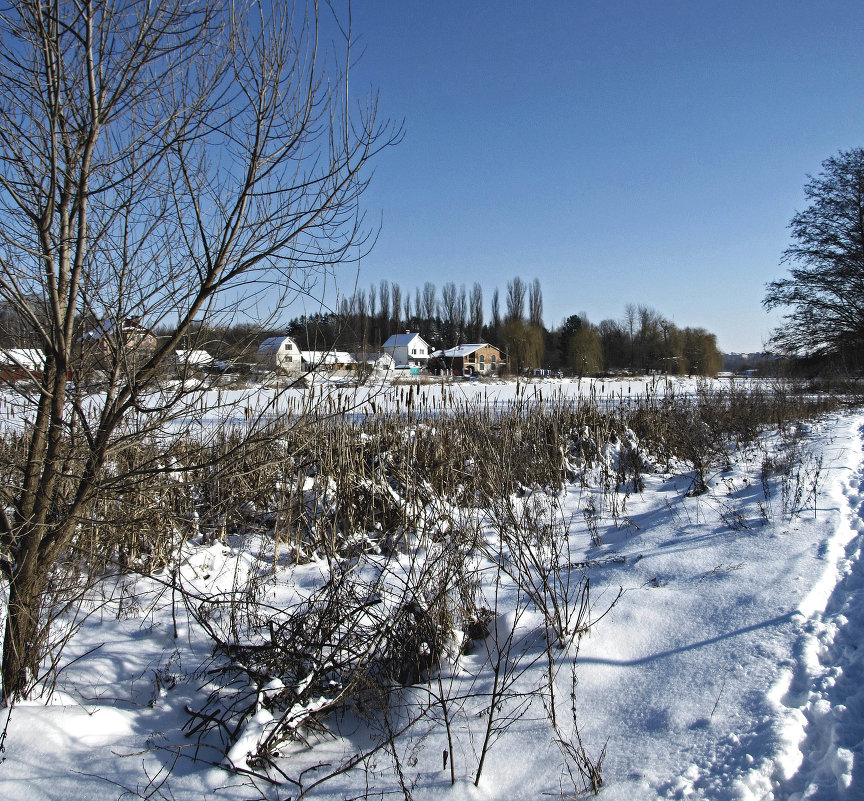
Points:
(407, 349)
(381, 362)
(280, 354)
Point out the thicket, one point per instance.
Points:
(427, 515)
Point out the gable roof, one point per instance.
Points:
(463, 350)
(272, 344)
(401, 340)
(193, 357)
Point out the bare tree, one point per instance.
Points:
(373, 301)
(418, 304)
(496, 311)
(616, 343)
(630, 316)
(396, 293)
(160, 163)
(649, 338)
(516, 291)
(461, 313)
(429, 302)
(449, 307)
(823, 295)
(535, 304)
(360, 307)
(384, 300)
(475, 312)
(362, 319)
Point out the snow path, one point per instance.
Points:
(825, 697)
(740, 682)
(812, 744)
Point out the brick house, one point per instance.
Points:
(474, 359)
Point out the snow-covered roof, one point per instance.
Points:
(272, 344)
(401, 340)
(194, 357)
(462, 350)
(27, 358)
(327, 357)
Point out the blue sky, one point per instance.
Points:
(619, 151)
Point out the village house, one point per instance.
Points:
(111, 338)
(475, 359)
(407, 349)
(184, 360)
(329, 360)
(380, 362)
(280, 354)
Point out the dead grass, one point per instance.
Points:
(426, 484)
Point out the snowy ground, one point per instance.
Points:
(207, 407)
(729, 668)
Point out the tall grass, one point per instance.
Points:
(447, 503)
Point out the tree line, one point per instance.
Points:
(642, 340)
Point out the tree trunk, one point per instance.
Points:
(21, 647)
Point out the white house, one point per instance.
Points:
(280, 353)
(407, 349)
(380, 362)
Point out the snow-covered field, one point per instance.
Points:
(211, 406)
(729, 666)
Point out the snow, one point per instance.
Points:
(238, 406)
(730, 667)
(460, 350)
(27, 358)
(194, 358)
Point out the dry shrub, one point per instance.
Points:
(418, 482)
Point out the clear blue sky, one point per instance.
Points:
(621, 151)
